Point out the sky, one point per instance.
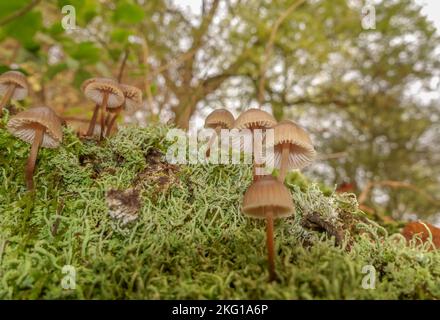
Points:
(431, 9)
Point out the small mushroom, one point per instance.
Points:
(13, 85)
(293, 148)
(92, 124)
(106, 93)
(217, 120)
(133, 102)
(268, 199)
(253, 119)
(40, 127)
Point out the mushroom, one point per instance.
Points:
(268, 199)
(293, 148)
(217, 120)
(40, 127)
(106, 93)
(253, 119)
(92, 124)
(13, 85)
(133, 101)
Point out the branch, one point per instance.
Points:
(198, 35)
(213, 83)
(19, 13)
(269, 47)
(145, 56)
(123, 64)
(394, 184)
(173, 62)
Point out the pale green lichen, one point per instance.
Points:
(190, 239)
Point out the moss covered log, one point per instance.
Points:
(135, 227)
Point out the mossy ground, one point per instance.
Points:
(190, 240)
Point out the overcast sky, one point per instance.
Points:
(431, 9)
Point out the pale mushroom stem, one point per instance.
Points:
(212, 140)
(30, 167)
(270, 244)
(7, 97)
(257, 153)
(103, 107)
(284, 162)
(112, 122)
(93, 121)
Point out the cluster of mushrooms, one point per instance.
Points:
(42, 127)
(112, 98)
(267, 197)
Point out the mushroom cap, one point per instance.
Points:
(89, 81)
(95, 90)
(220, 118)
(133, 97)
(267, 193)
(255, 119)
(23, 126)
(301, 150)
(19, 80)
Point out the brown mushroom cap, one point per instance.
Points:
(94, 89)
(255, 119)
(133, 97)
(267, 193)
(301, 150)
(19, 80)
(89, 81)
(220, 118)
(23, 126)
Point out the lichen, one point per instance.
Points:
(190, 239)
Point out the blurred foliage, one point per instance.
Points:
(356, 91)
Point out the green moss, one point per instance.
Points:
(190, 239)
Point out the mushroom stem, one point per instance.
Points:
(93, 121)
(112, 122)
(284, 161)
(103, 108)
(212, 139)
(30, 167)
(7, 97)
(270, 245)
(257, 153)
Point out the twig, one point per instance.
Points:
(269, 48)
(19, 13)
(173, 62)
(315, 221)
(145, 56)
(123, 64)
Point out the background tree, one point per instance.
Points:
(359, 91)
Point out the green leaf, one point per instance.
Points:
(80, 76)
(8, 7)
(85, 52)
(24, 28)
(129, 13)
(52, 71)
(120, 35)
